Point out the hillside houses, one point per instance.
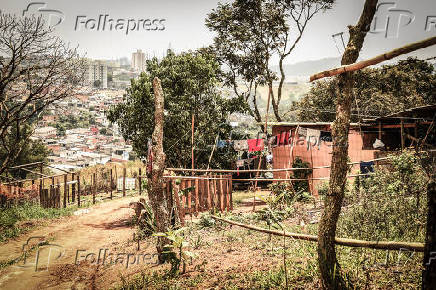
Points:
(82, 142)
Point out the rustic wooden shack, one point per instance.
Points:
(396, 131)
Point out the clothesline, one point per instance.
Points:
(266, 170)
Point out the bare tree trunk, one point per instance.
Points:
(429, 273)
(331, 277)
(156, 193)
(275, 103)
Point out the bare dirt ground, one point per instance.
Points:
(108, 227)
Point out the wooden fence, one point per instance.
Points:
(50, 197)
(195, 194)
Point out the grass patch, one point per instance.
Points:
(12, 219)
(159, 280)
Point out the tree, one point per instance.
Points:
(189, 81)
(157, 194)
(250, 34)
(330, 269)
(31, 151)
(378, 92)
(36, 69)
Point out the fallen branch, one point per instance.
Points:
(381, 245)
(380, 58)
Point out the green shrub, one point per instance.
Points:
(388, 205)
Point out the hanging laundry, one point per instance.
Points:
(287, 137)
(283, 138)
(378, 144)
(240, 145)
(312, 137)
(366, 167)
(221, 144)
(326, 136)
(240, 163)
(255, 145)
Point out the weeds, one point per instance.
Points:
(176, 254)
(10, 218)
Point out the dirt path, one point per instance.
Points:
(105, 226)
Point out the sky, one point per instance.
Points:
(181, 26)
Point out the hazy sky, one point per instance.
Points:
(185, 29)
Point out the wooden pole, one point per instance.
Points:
(73, 188)
(124, 181)
(196, 197)
(189, 184)
(112, 182)
(221, 195)
(209, 203)
(375, 60)
(402, 135)
(192, 141)
(418, 247)
(231, 192)
(65, 190)
(78, 190)
(140, 181)
(94, 187)
(379, 130)
(429, 273)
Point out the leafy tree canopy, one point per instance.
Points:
(190, 84)
(378, 92)
(32, 151)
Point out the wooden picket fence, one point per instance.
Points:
(195, 194)
(50, 197)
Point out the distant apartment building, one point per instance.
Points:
(138, 61)
(97, 74)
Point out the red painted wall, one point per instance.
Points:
(317, 157)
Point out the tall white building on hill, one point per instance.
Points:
(138, 61)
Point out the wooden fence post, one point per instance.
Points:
(73, 188)
(196, 197)
(140, 182)
(231, 192)
(221, 196)
(189, 184)
(112, 182)
(78, 190)
(208, 202)
(124, 181)
(41, 182)
(94, 187)
(214, 188)
(180, 210)
(65, 190)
